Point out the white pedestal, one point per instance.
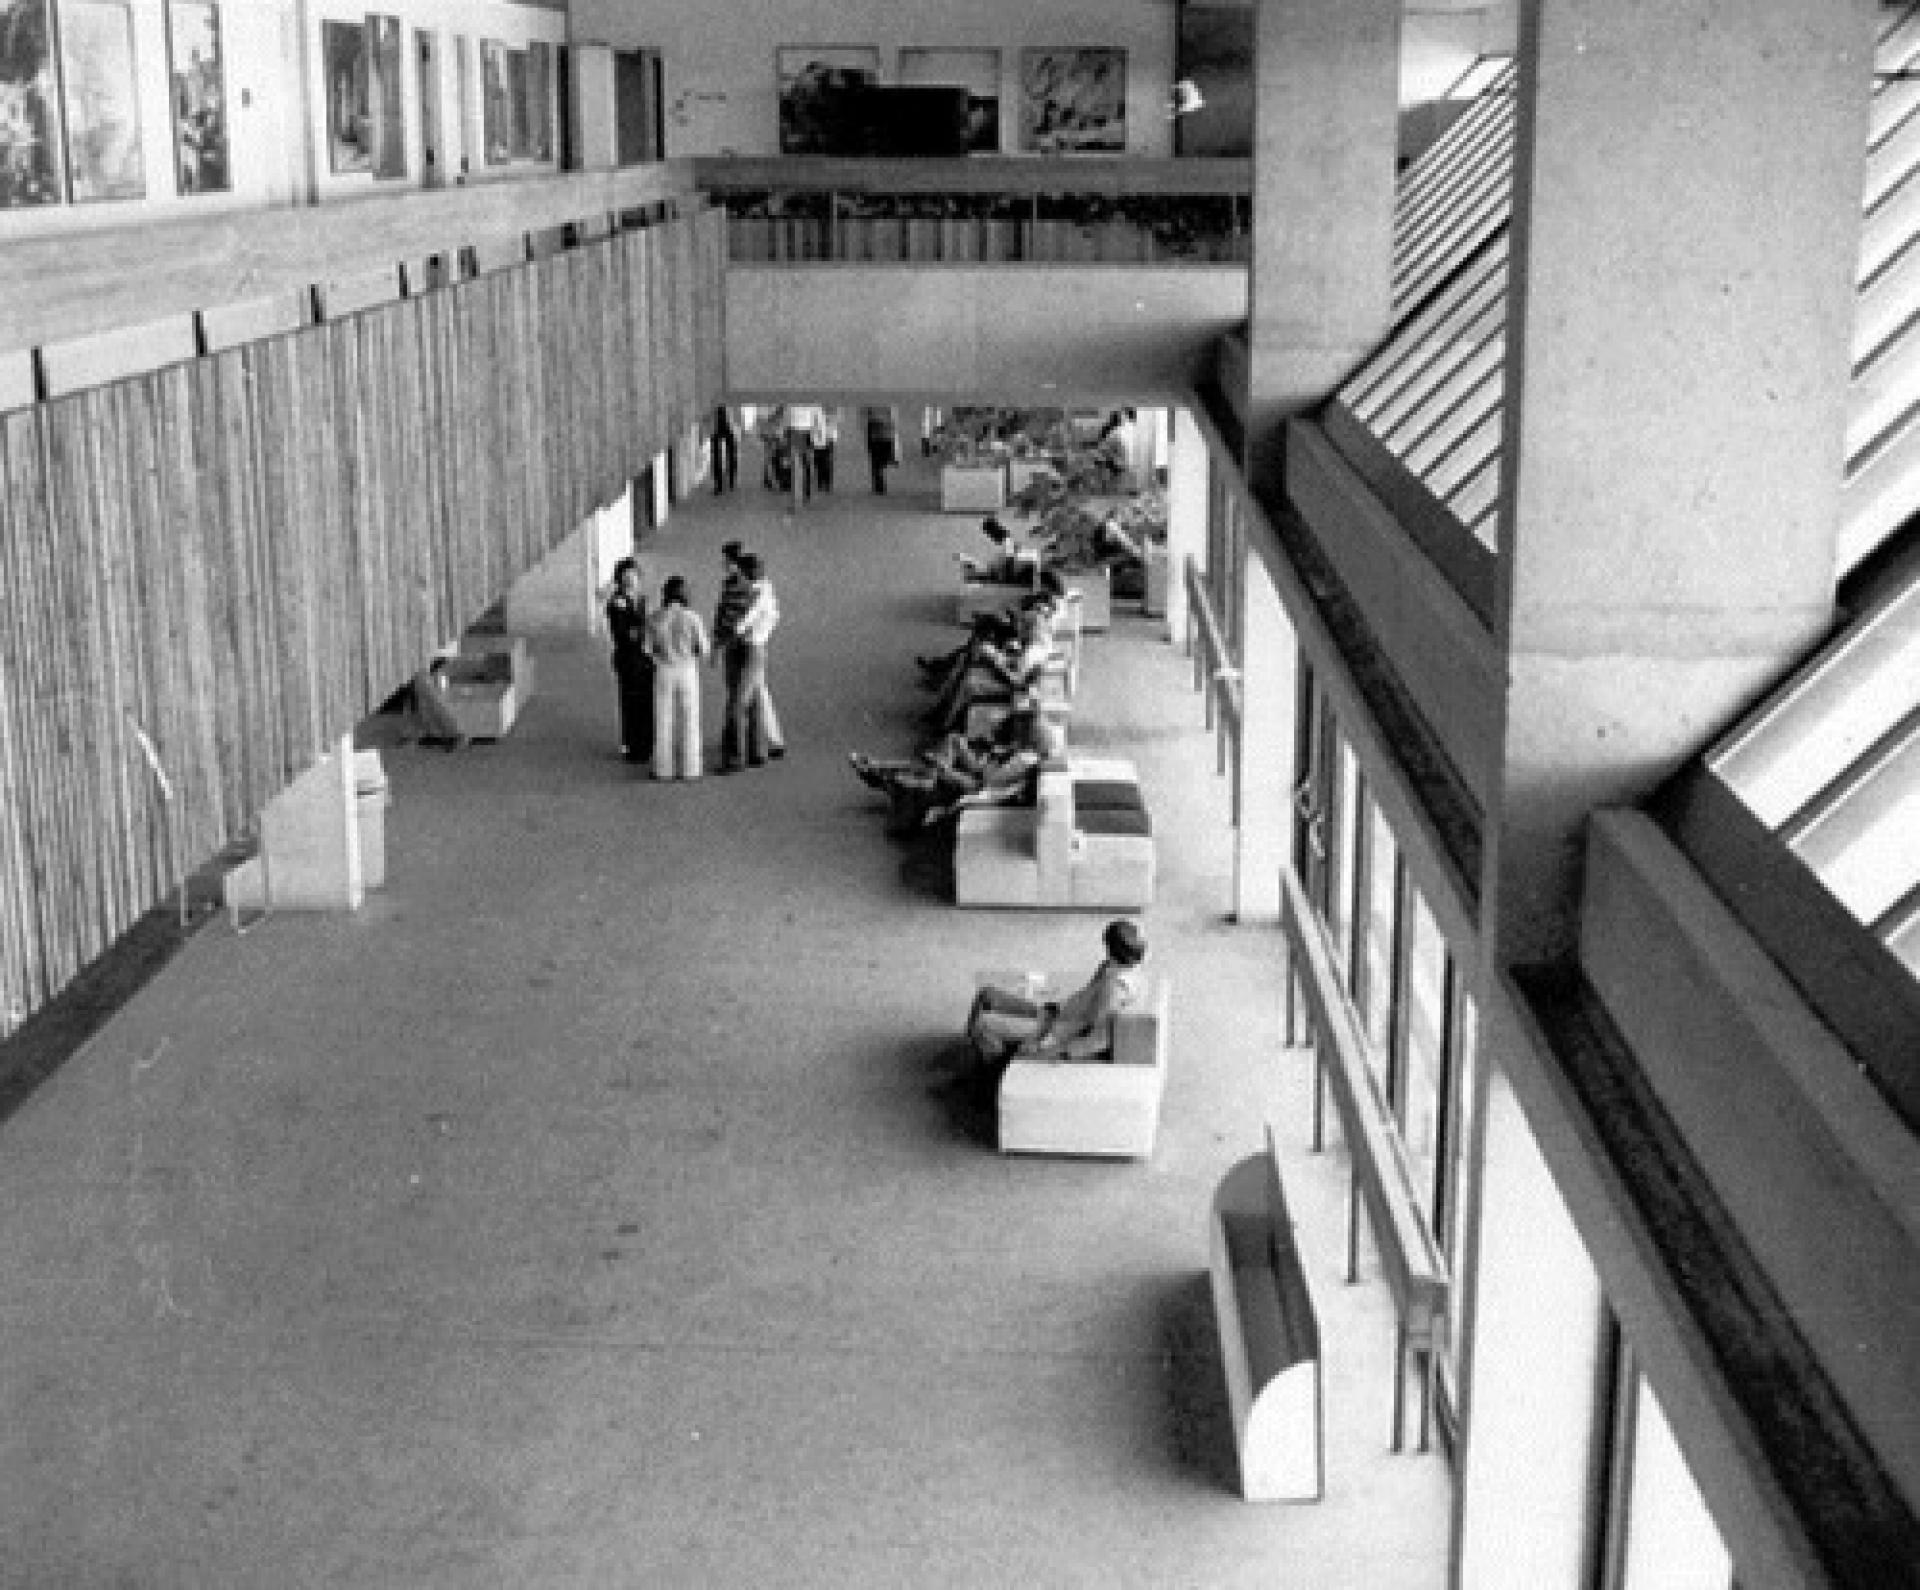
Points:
(973, 488)
(311, 839)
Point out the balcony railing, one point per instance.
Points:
(983, 211)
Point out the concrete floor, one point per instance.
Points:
(591, 1208)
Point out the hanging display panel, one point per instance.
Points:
(820, 111)
(104, 157)
(343, 51)
(1073, 101)
(540, 101)
(386, 108)
(29, 110)
(521, 138)
(496, 108)
(978, 72)
(197, 76)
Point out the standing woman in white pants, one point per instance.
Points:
(677, 641)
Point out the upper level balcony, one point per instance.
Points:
(998, 277)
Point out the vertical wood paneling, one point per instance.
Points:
(246, 554)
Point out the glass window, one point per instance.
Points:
(1671, 1542)
(1377, 939)
(1343, 863)
(1462, 1065)
(1422, 1064)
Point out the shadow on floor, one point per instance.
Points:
(1199, 1422)
(966, 1096)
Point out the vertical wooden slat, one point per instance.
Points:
(244, 554)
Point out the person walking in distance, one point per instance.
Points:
(632, 667)
(801, 418)
(726, 451)
(883, 444)
(826, 436)
(676, 640)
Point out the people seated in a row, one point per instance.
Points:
(1000, 769)
(1007, 1024)
(986, 670)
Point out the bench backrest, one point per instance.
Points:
(1140, 1034)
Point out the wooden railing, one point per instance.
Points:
(238, 557)
(55, 289)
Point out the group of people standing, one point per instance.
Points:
(656, 662)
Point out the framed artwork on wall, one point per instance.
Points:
(29, 106)
(1073, 100)
(104, 157)
(978, 72)
(496, 109)
(197, 82)
(387, 108)
(540, 101)
(343, 61)
(817, 115)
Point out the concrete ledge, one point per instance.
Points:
(1437, 646)
(1817, 1174)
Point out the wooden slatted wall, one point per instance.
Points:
(245, 555)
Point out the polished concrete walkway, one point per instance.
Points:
(592, 1208)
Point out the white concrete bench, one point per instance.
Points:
(1100, 1108)
(1269, 1335)
(1086, 843)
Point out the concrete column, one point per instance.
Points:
(1534, 1324)
(1269, 656)
(1325, 137)
(1677, 369)
(1676, 380)
(1188, 486)
(593, 109)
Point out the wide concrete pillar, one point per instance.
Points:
(1268, 698)
(594, 108)
(1325, 137)
(1677, 370)
(1676, 376)
(1188, 488)
(1534, 1322)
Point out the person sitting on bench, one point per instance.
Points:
(959, 773)
(998, 672)
(993, 629)
(1006, 1024)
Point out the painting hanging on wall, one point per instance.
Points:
(343, 58)
(819, 112)
(496, 109)
(1073, 101)
(29, 113)
(385, 105)
(978, 72)
(198, 89)
(540, 101)
(104, 157)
